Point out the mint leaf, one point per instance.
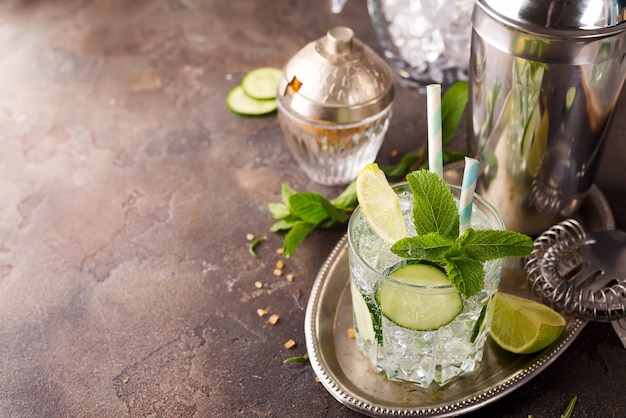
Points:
(467, 274)
(434, 209)
(431, 247)
(284, 224)
(294, 237)
(436, 221)
(486, 245)
(278, 210)
(286, 192)
(299, 213)
(453, 103)
(347, 199)
(336, 215)
(308, 206)
(451, 156)
(408, 161)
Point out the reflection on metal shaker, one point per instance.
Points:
(545, 77)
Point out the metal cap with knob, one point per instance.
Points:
(336, 79)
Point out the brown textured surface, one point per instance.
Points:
(127, 190)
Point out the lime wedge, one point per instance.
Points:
(523, 326)
(379, 204)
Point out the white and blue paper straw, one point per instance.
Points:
(433, 111)
(470, 174)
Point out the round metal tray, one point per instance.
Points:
(348, 376)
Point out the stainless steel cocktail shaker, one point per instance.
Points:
(545, 76)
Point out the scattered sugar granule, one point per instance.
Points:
(317, 379)
(394, 153)
(278, 272)
(280, 264)
(273, 319)
(258, 285)
(290, 344)
(290, 277)
(351, 333)
(250, 237)
(280, 251)
(262, 312)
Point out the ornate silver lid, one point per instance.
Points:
(336, 79)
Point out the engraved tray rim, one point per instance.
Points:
(350, 379)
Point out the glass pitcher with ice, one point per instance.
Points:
(426, 41)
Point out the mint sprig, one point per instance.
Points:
(433, 210)
(298, 214)
(436, 221)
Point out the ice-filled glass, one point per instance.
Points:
(427, 41)
(405, 354)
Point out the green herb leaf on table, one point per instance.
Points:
(453, 103)
(279, 210)
(311, 207)
(407, 162)
(300, 213)
(347, 199)
(296, 234)
(299, 359)
(253, 244)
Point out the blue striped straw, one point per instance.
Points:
(433, 110)
(470, 174)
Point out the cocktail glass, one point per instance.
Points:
(427, 41)
(403, 354)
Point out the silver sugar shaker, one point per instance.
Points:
(334, 106)
(545, 76)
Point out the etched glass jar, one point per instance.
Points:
(334, 105)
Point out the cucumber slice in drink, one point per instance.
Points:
(239, 102)
(363, 321)
(262, 83)
(424, 310)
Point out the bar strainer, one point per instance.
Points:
(580, 273)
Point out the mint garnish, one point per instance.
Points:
(434, 210)
(436, 220)
(298, 214)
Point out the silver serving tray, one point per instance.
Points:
(347, 374)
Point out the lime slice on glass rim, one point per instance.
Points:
(523, 326)
(379, 204)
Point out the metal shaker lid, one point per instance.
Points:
(336, 79)
(583, 17)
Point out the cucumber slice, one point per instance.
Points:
(363, 321)
(421, 311)
(262, 83)
(239, 102)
